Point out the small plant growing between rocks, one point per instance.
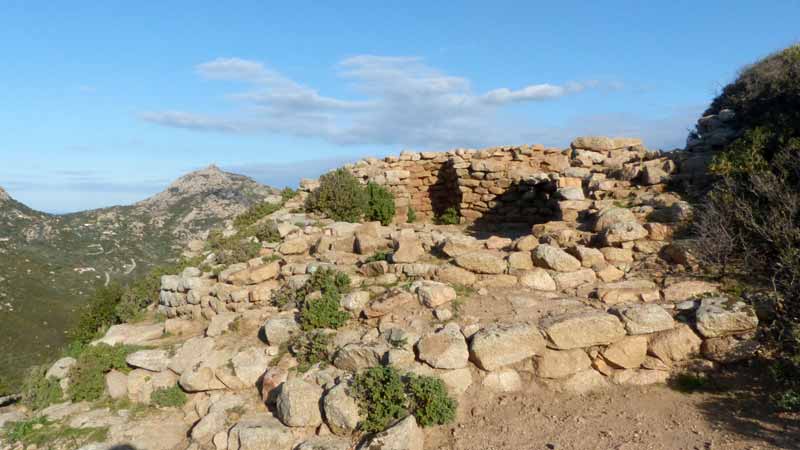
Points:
(384, 396)
(324, 312)
(38, 391)
(171, 397)
(88, 375)
(411, 215)
(310, 349)
(378, 256)
(255, 213)
(448, 217)
(39, 431)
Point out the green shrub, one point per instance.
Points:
(381, 397)
(234, 249)
(288, 193)
(324, 312)
(255, 213)
(378, 256)
(429, 401)
(310, 349)
(448, 217)
(171, 397)
(100, 312)
(38, 391)
(384, 396)
(411, 215)
(87, 377)
(339, 196)
(265, 232)
(328, 281)
(380, 205)
(42, 433)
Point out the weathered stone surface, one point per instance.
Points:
(404, 435)
(639, 377)
(569, 280)
(297, 404)
(500, 345)
(527, 243)
(152, 360)
(221, 323)
(341, 410)
(190, 353)
(645, 319)
(685, 290)
(589, 257)
(607, 273)
(356, 356)
(537, 279)
(482, 261)
(355, 301)
(325, 443)
(620, 232)
(445, 348)
(582, 329)
(561, 363)
(583, 382)
(279, 329)
(60, 369)
(603, 143)
(673, 345)
(520, 261)
(116, 384)
(627, 353)
(456, 275)
(132, 334)
(729, 349)
(458, 245)
(258, 432)
(408, 249)
(457, 381)
(294, 246)
(503, 380)
(250, 364)
(393, 300)
(720, 316)
(554, 258)
(610, 216)
(433, 294)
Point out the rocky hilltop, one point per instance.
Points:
(594, 293)
(49, 263)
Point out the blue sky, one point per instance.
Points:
(104, 103)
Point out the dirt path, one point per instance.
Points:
(654, 417)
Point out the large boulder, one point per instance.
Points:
(325, 443)
(603, 144)
(458, 245)
(673, 345)
(152, 360)
(408, 249)
(582, 329)
(620, 232)
(60, 369)
(258, 432)
(645, 319)
(720, 316)
(279, 329)
(356, 356)
(610, 216)
(433, 294)
(341, 410)
(627, 353)
(404, 435)
(554, 258)
(500, 345)
(561, 363)
(482, 261)
(685, 290)
(445, 348)
(297, 404)
(537, 279)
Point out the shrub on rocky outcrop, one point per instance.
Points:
(750, 223)
(87, 377)
(255, 213)
(380, 206)
(385, 395)
(38, 391)
(339, 196)
(288, 193)
(171, 397)
(411, 215)
(448, 217)
(266, 232)
(233, 249)
(324, 312)
(310, 349)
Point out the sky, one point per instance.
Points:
(105, 103)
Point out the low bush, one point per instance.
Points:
(171, 397)
(384, 396)
(87, 376)
(39, 432)
(233, 249)
(339, 196)
(411, 215)
(310, 349)
(265, 232)
(255, 213)
(380, 205)
(429, 401)
(38, 391)
(324, 312)
(381, 396)
(288, 193)
(448, 217)
(378, 256)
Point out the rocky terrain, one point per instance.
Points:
(564, 289)
(50, 263)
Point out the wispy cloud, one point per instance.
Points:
(400, 101)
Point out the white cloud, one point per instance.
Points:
(403, 102)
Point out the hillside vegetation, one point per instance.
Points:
(51, 264)
(750, 225)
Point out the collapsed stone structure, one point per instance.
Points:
(595, 293)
